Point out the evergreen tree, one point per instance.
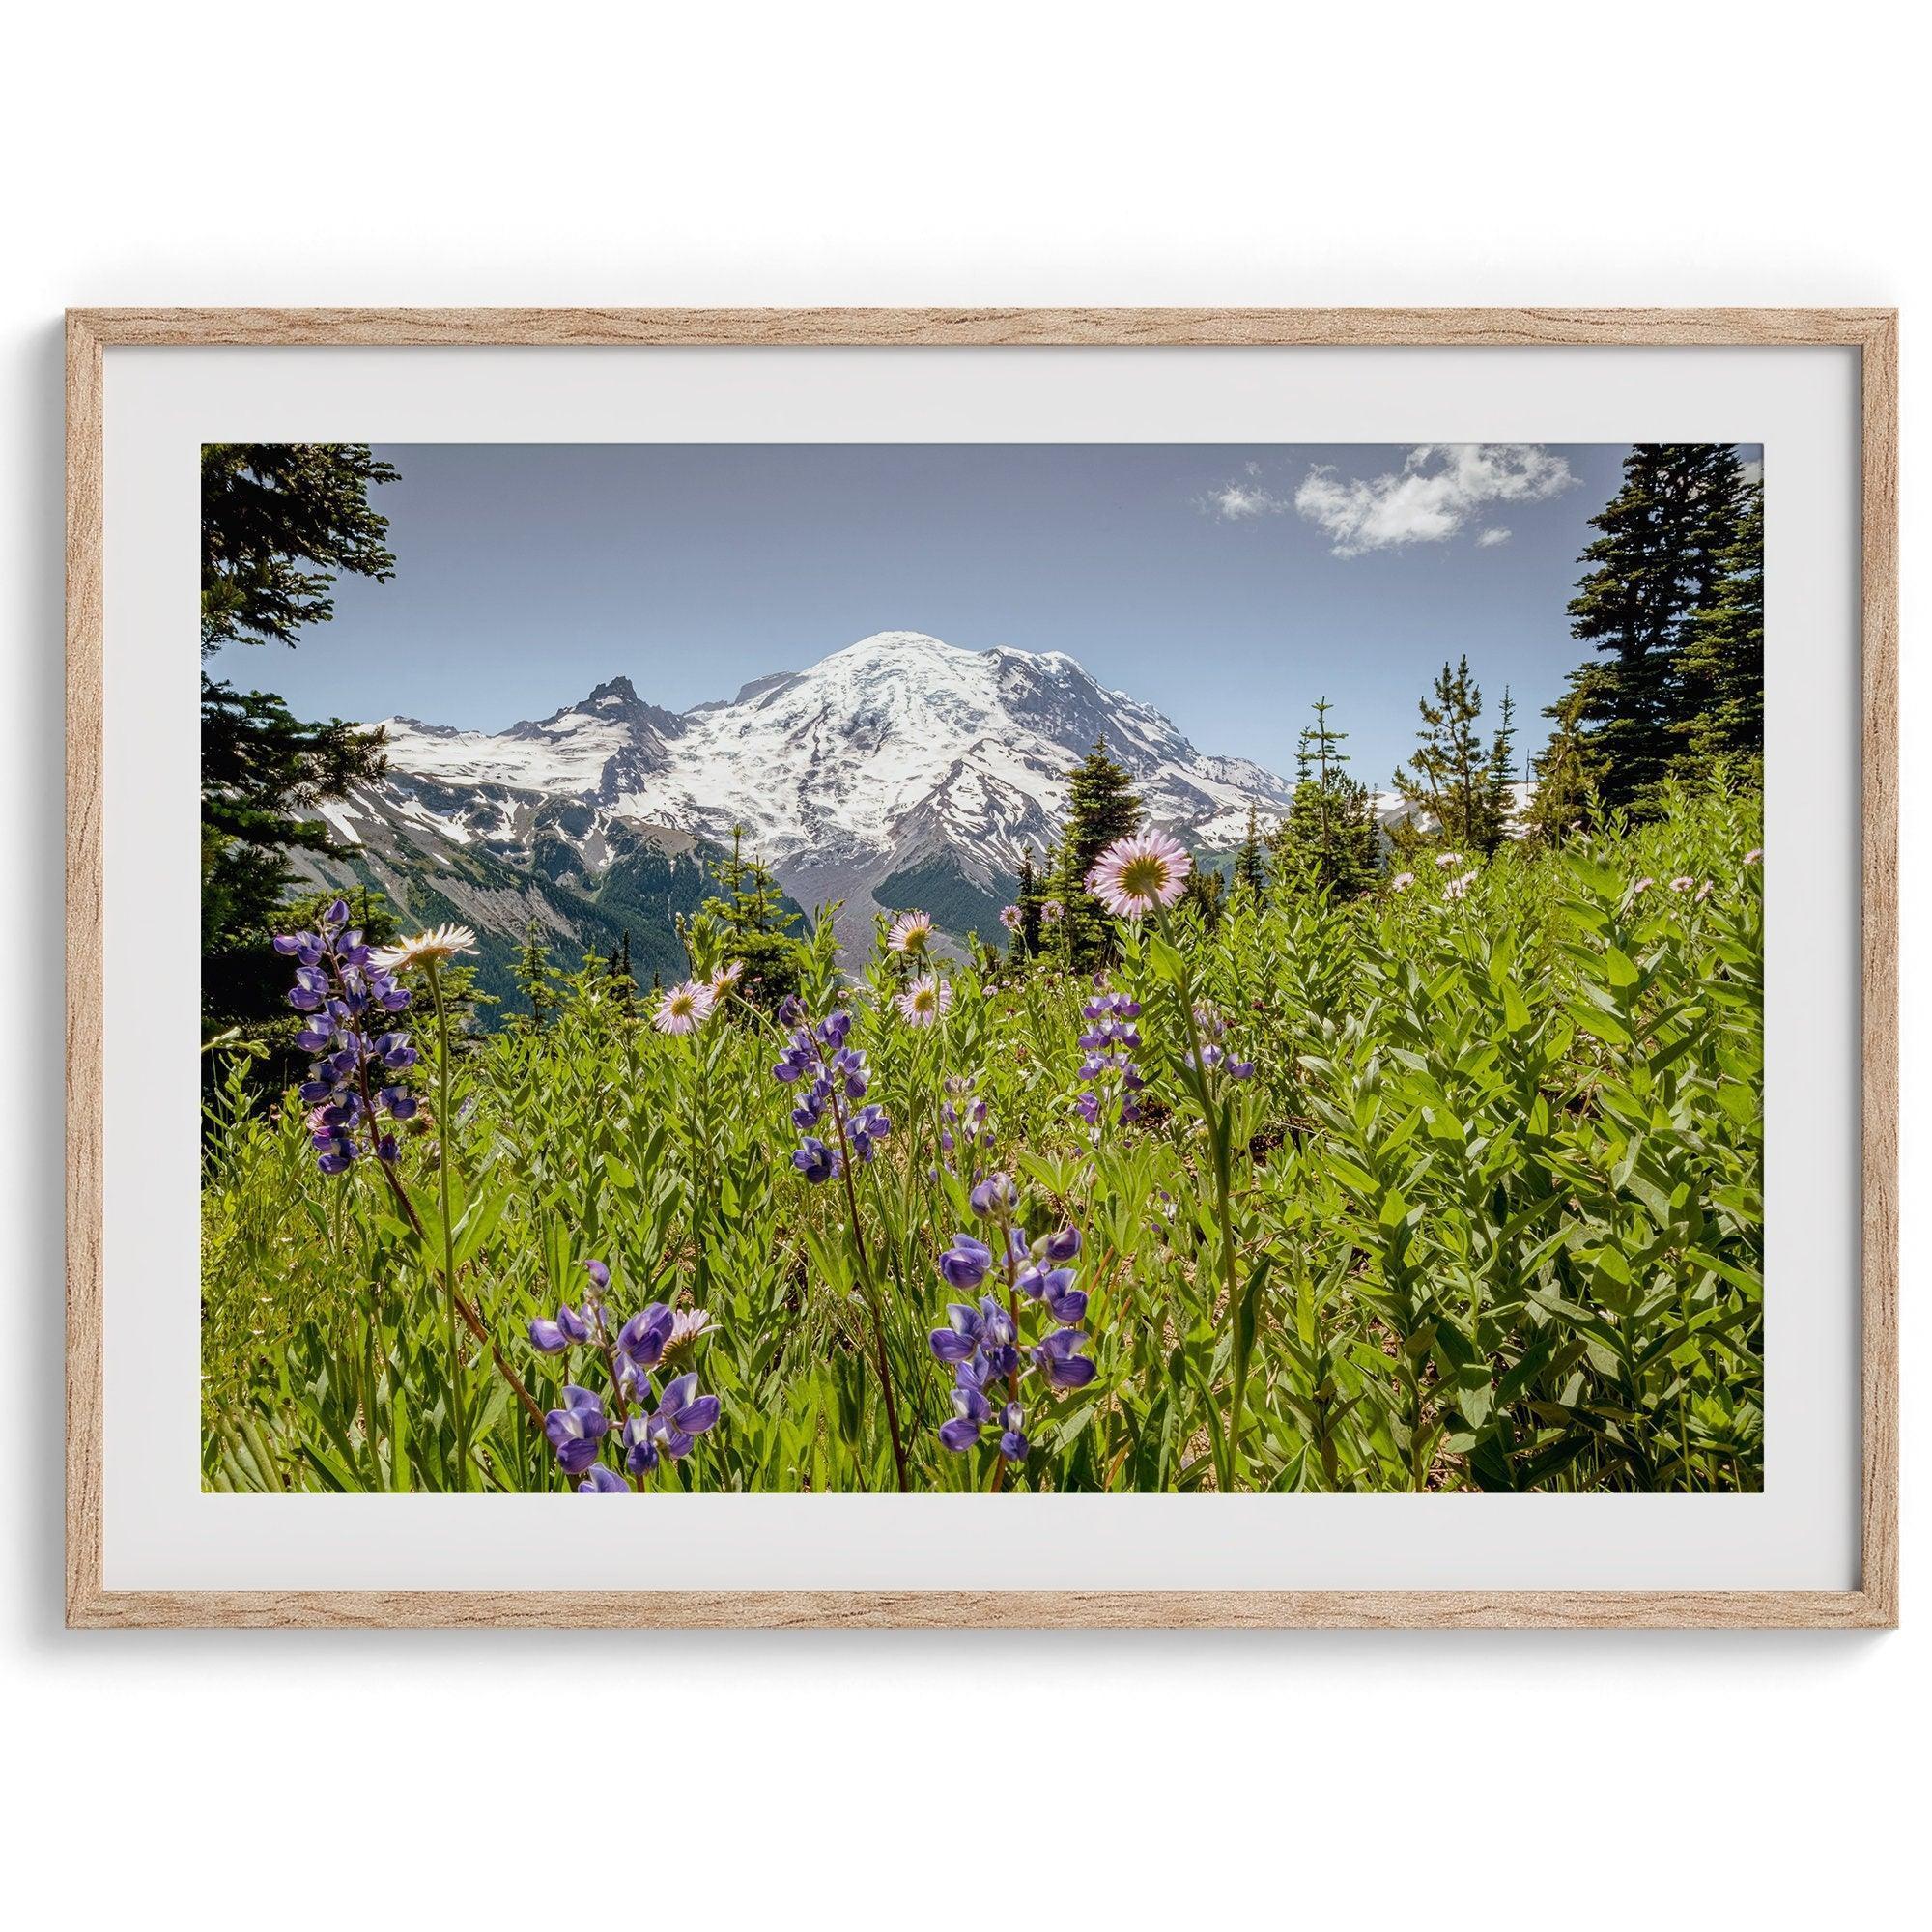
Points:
(279, 522)
(1207, 892)
(618, 971)
(1250, 864)
(1328, 842)
(1101, 807)
(1565, 788)
(1499, 793)
(1657, 568)
(1450, 778)
(756, 925)
(1030, 898)
(536, 979)
(1720, 669)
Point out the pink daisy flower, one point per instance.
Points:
(1009, 918)
(1755, 856)
(726, 978)
(1682, 883)
(684, 1008)
(1444, 860)
(924, 1002)
(688, 1325)
(1458, 885)
(1051, 912)
(1401, 882)
(1134, 875)
(911, 934)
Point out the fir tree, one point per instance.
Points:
(1328, 842)
(1101, 807)
(1565, 789)
(756, 925)
(1657, 568)
(1030, 898)
(536, 979)
(1499, 793)
(1450, 778)
(624, 987)
(279, 522)
(1250, 865)
(1720, 669)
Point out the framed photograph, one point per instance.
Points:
(1172, 967)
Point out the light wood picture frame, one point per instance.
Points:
(92, 333)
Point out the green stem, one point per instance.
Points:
(445, 1150)
(871, 1297)
(1215, 1118)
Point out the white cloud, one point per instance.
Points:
(1236, 500)
(1490, 538)
(1439, 488)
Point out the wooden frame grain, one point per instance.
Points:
(1872, 333)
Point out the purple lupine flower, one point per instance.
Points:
(565, 1332)
(971, 1411)
(640, 1344)
(816, 1161)
(1059, 1359)
(1064, 1303)
(962, 1118)
(575, 1429)
(965, 1262)
(336, 982)
(971, 1331)
(640, 1452)
(682, 1415)
(995, 1196)
(981, 1345)
(869, 1124)
(602, 1481)
(840, 1078)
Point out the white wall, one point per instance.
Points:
(400, 153)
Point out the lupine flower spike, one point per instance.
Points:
(839, 1079)
(980, 1341)
(343, 995)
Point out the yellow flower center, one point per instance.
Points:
(1145, 877)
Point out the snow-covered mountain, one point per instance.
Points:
(899, 769)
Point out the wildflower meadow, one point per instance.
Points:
(1451, 1186)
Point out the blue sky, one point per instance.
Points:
(1230, 585)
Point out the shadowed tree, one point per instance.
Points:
(1102, 806)
(279, 522)
(1656, 569)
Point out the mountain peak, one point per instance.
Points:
(899, 644)
(615, 687)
